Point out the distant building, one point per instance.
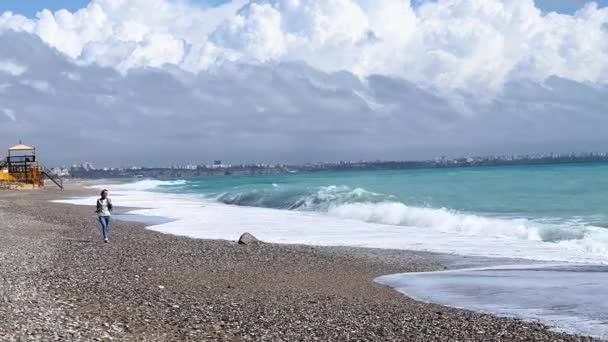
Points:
(60, 171)
(217, 164)
(88, 166)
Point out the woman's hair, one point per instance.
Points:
(102, 191)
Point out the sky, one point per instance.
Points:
(158, 82)
(29, 8)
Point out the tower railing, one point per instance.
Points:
(48, 173)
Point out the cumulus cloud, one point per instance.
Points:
(287, 111)
(12, 68)
(452, 45)
(156, 81)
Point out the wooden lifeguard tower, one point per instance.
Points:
(22, 170)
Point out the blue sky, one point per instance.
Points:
(566, 6)
(30, 7)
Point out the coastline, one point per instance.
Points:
(60, 281)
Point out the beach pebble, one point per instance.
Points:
(248, 239)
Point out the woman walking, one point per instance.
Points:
(104, 211)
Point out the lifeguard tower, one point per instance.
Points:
(22, 170)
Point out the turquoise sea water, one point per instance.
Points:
(557, 202)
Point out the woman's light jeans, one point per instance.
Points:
(105, 226)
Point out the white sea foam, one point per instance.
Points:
(570, 297)
(145, 184)
(379, 225)
(449, 221)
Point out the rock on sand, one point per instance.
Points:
(248, 239)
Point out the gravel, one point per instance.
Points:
(59, 281)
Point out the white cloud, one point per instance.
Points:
(9, 113)
(39, 85)
(17, 22)
(451, 45)
(255, 33)
(12, 68)
(71, 75)
(287, 112)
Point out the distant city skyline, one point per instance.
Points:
(87, 170)
(87, 165)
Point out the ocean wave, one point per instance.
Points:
(359, 204)
(142, 185)
(594, 241)
(451, 221)
(320, 199)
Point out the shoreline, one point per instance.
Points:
(154, 286)
(568, 297)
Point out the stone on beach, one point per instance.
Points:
(248, 239)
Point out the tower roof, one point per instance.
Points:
(21, 147)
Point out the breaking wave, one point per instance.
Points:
(298, 199)
(360, 204)
(142, 185)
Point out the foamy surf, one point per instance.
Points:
(142, 185)
(368, 224)
(570, 298)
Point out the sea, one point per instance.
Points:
(550, 221)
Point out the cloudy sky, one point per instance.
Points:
(121, 82)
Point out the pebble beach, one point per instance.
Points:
(60, 282)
